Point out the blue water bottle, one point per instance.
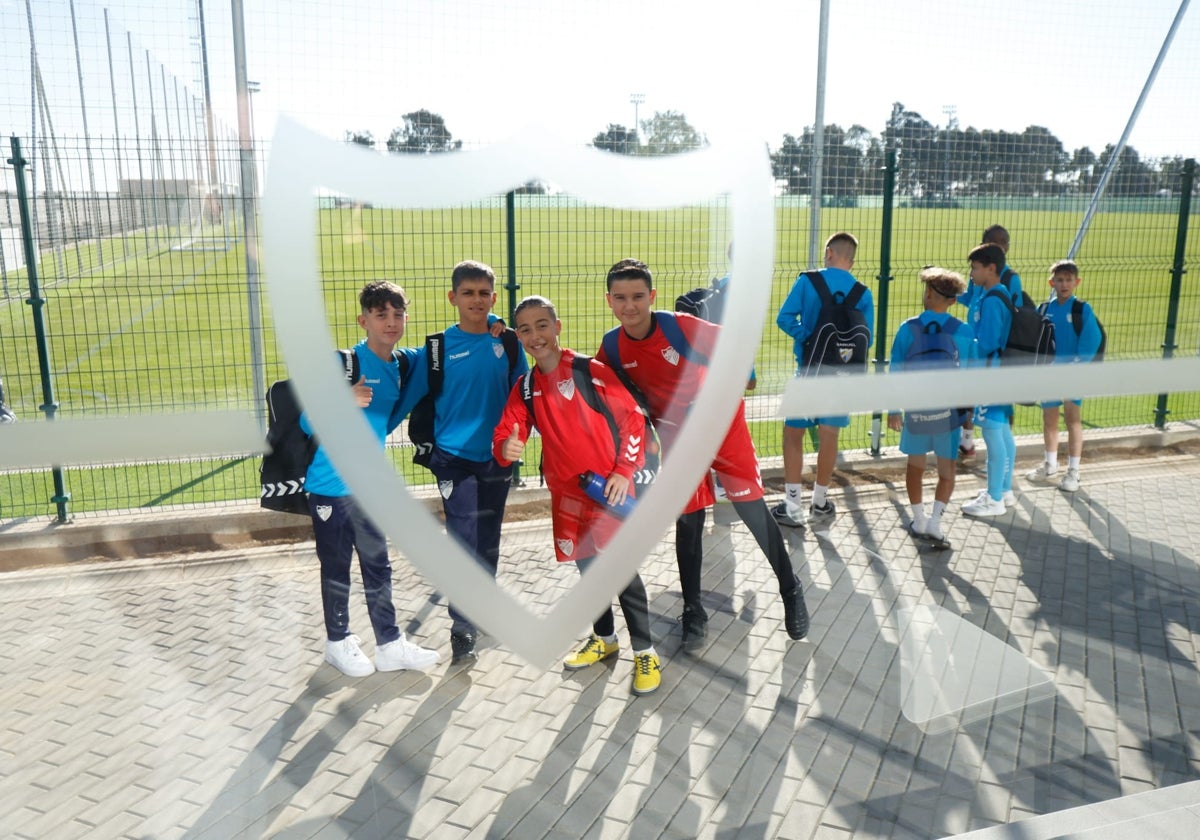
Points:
(593, 485)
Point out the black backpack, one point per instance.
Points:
(707, 302)
(582, 375)
(839, 341)
(1031, 337)
(933, 348)
(420, 419)
(1077, 324)
(283, 469)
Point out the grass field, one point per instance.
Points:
(148, 329)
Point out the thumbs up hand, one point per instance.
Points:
(513, 445)
(362, 392)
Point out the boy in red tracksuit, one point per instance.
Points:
(670, 379)
(577, 438)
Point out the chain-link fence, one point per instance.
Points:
(136, 226)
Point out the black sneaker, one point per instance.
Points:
(787, 520)
(795, 613)
(825, 511)
(462, 647)
(694, 624)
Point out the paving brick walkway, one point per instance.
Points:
(187, 698)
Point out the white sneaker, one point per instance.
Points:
(1044, 472)
(348, 657)
(403, 655)
(1070, 481)
(984, 505)
(1009, 498)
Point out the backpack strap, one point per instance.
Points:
(581, 372)
(512, 347)
(350, 365)
(401, 361)
(611, 346)
(673, 333)
(855, 295)
(1006, 277)
(1077, 316)
(820, 286)
(434, 345)
(995, 292)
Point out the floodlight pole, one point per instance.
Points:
(1120, 147)
(637, 99)
(818, 145)
(249, 193)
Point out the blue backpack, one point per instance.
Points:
(933, 348)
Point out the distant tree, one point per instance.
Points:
(915, 141)
(1131, 177)
(362, 138)
(793, 162)
(617, 138)
(869, 148)
(669, 133)
(534, 187)
(423, 133)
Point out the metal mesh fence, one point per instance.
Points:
(137, 201)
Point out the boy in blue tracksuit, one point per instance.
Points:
(919, 343)
(798, 317)
(340, 526)
(1010, 280)
(1074, 342)
(478, 376)
(991, 322)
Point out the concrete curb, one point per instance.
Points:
(123, 535)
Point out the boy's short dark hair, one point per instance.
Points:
(995, 233)
(378, 293)
(1065, 266)
(949, 284)
(471, 270)
(535, 301)
(989, 253)
(629, 269)
(843, 243)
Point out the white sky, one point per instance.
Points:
(492, 66)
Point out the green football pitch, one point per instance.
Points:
(136, 326)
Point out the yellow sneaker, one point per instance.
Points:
(647, 673)
(594, 650)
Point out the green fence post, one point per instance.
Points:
(510, 218)
(885, 278)
(1177, 271)
(49, 406)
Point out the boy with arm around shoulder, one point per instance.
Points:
(340, 526)
(577, 439)
(669, 380)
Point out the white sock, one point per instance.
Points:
(819, 491)
(650, 650)
(968, 437)
(938, 509)
(1073, 463)
(1052, 460)
(610, 640)
(918, 514)
(792, 499)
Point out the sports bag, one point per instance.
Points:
(933, 348)
(283, 469)
(839, 341)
